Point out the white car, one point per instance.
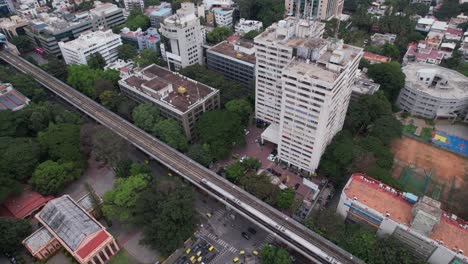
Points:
(272, 158)
(243, 158)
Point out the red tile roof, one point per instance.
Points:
(375, 57)
(424, 53)
(24, 204)
(454, 31)
(91, 245)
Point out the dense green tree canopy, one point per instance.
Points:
(235, 171)
(120, 203)
(109, 147)
(137, 20)
(84, 78)
(260, 185)
(62, 142)
(449, 9)
(19, 157)
(127, 52)
(23, 43)
(96, 61)
(23, 83)
(267, 11)
(387, 128)
(285, 198)
(200, 153)
(171, 133)
(241, 107)
(51, 177)
(56, 67)
(390, 77)
(166, 211)
(12, 232)
(251, 34)
(220, 129)
(274, 255)
(148, 57)
(218, 34)
(146, 116)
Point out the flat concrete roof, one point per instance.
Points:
(456, 87)
(226, 48)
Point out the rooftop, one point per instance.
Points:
(363, 85)
(10, 98)
(421, 52)
(375, 57)
(323, 59)
(169, 87)
(380, 197)
(68, 221)
(292, 32)
(88, 40)
(183, 15)
(229, 49)
(436, 81)
(38, 240)
(162, 9)
(26, 203)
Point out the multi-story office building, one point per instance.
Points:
(79, 50)
(158, 13)
(176, 96)
(130, 4)
(435, 236)
(184, 36)
(234, 60)
(48, 30)
(303, 89)
(432, 92)
(324, 9)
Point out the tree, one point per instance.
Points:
(137, 20)
(96, 61)
(449, 9)
(457, 203)
(201, 154)
(387, 128)
(327, 224)
(13, 231)
(171, 133)
(127, 52)
(148, 57)
(110, 100)
(220, 129)
(166, 211)
(366, 110)
(120, 203)
(285, 198)
(109, 147)
(56, 67)
(18, 157)
(419, 9)
(260, 186)
(390, 50)
(123, 168)
(51, 177)
(251, 34)
(389, 76)
(240, 107)
(146, 116)
(235, 171)
(62, 143)
(218, 34)
(140, 168)
(23, 43)
(268, 11)
(274, 255)
(389, 250)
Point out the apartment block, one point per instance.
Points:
(47, 30)
(184, 36)
(148, 39)
(433, 92)
(324, 9)
(223, 16)
(158, 13)
(303, 89)
(245, 26)
(176, 96)
(131, 4)
(235, 60)
(434, 236)
(79, 50)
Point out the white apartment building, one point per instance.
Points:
(245, 26)
(223, 16)
(304, 85)
(130, 4)
(78, 51)
(184, 36)
(323, 9)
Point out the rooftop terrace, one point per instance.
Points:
(169, 87)
(384, 199)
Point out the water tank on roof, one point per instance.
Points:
(411, 198)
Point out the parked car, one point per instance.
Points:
(245, 235)
(252, 230)
(297, 186)
(272, 158)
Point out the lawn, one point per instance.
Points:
(123, 258)
(409, 129)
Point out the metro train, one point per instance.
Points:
(296, 240)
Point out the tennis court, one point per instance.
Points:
(450, 142)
